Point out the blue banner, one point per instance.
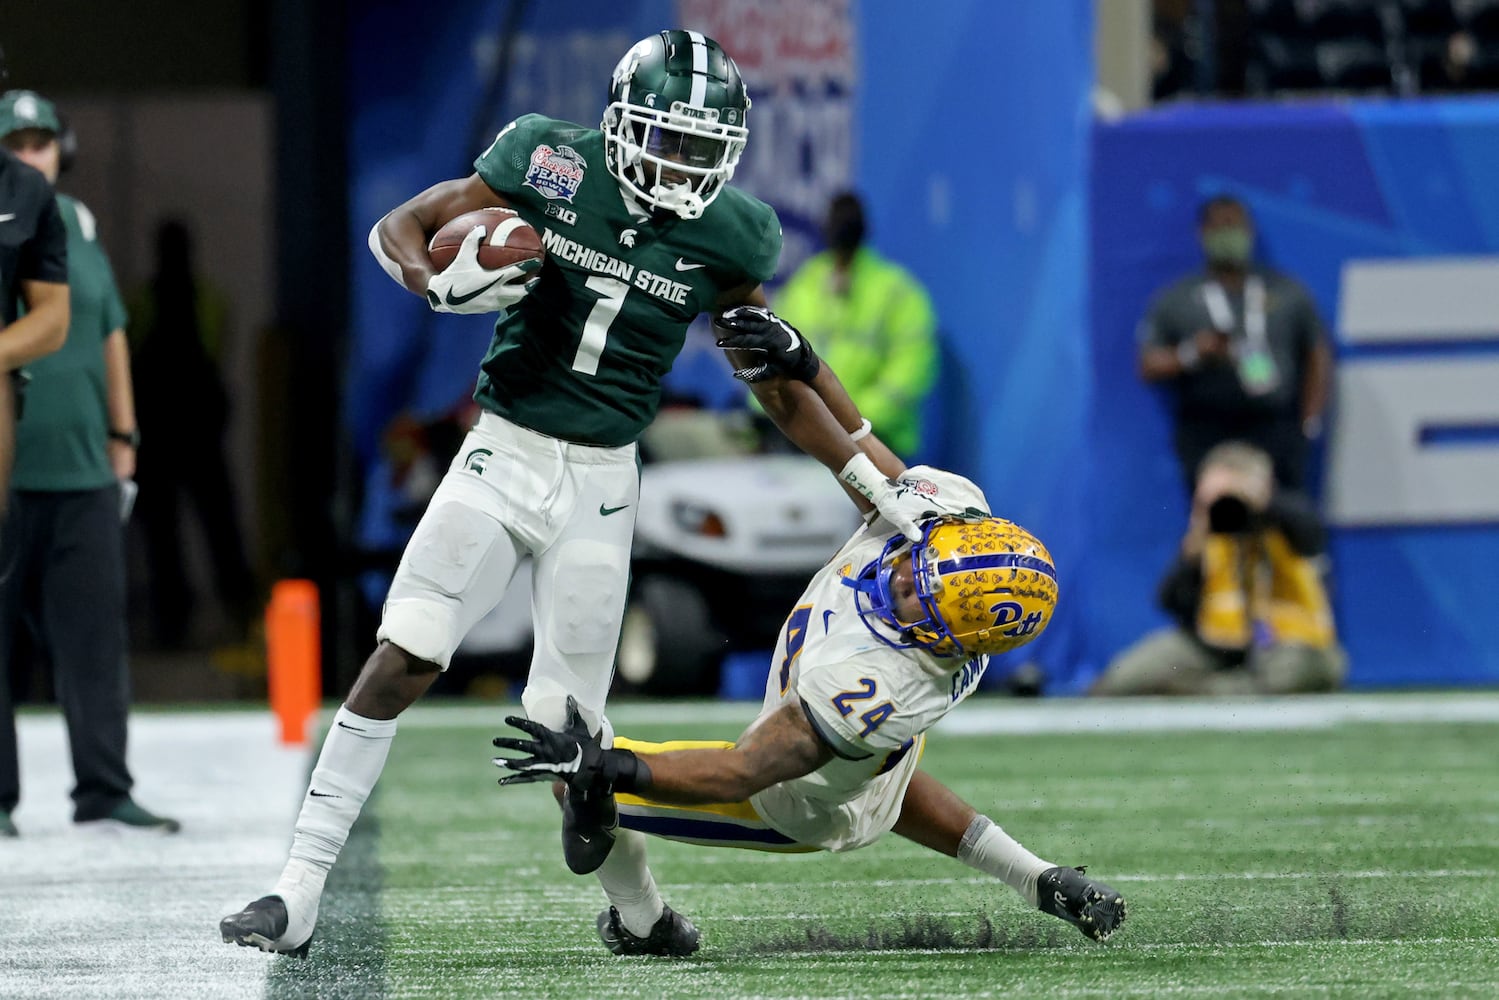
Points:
(1388, 212)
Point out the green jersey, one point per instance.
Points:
(581, 357)
(60, 441)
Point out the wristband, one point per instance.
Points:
(860, 473)
(630, 774)
(862, 432)
(1187, 355)
(132, 438)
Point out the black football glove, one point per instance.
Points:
(574, 755)
(778, 349)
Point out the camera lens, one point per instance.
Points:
(1228, 516)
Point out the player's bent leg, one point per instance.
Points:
(578, 603)
(637, 922)
(672, 936)
(349, 763)
(1092, 907)
(391, 680)
(264, 924)
(934, 816)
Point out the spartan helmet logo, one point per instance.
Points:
(627, 238)
(474, 460)
(25, 108)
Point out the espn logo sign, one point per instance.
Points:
(1416, 439)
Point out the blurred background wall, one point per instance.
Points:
(1035, 165)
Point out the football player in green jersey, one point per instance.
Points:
(642, 234)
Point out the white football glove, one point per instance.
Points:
(896, 502)
(465, 287)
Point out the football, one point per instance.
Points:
(507, 239)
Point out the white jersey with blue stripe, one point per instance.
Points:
(870, 702)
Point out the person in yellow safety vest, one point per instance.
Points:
(871, 321)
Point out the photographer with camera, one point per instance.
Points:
(1246, 592)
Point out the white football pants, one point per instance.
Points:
(511, 492)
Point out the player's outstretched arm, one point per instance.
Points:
(809, 404)
(399, 239)
(781, 747)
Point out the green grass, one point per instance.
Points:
(1357, 860)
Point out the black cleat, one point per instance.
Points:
(588, 825)
(1092, 907)
(261, 925)
(673, 936)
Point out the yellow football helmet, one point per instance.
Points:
(986, 586)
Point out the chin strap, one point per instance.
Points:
(679, 198)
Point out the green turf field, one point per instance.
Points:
(1353, 859)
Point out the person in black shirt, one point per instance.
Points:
(34, 315)
(1241, 349)
(33, 288)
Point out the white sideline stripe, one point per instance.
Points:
(1056, 715)
(87, 913)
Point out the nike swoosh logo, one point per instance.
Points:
(825, 616)
(586, 840)
(352, 729)
(682, 265)
(458, 300)
(11, 215)
(606, 511)
(323, 795)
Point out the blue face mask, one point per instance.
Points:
(875, 601)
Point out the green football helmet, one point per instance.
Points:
(675, 125)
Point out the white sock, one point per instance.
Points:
(628, 883)
(350, 763)
(988, 848)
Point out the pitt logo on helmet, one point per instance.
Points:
(985, 586)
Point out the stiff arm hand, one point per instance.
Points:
(776, 346)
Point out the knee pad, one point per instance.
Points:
(588, 597)
(546, 703)
(449, 547)
(422, 627)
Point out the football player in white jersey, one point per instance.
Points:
(886, 639)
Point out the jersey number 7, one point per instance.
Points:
(612, 293)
